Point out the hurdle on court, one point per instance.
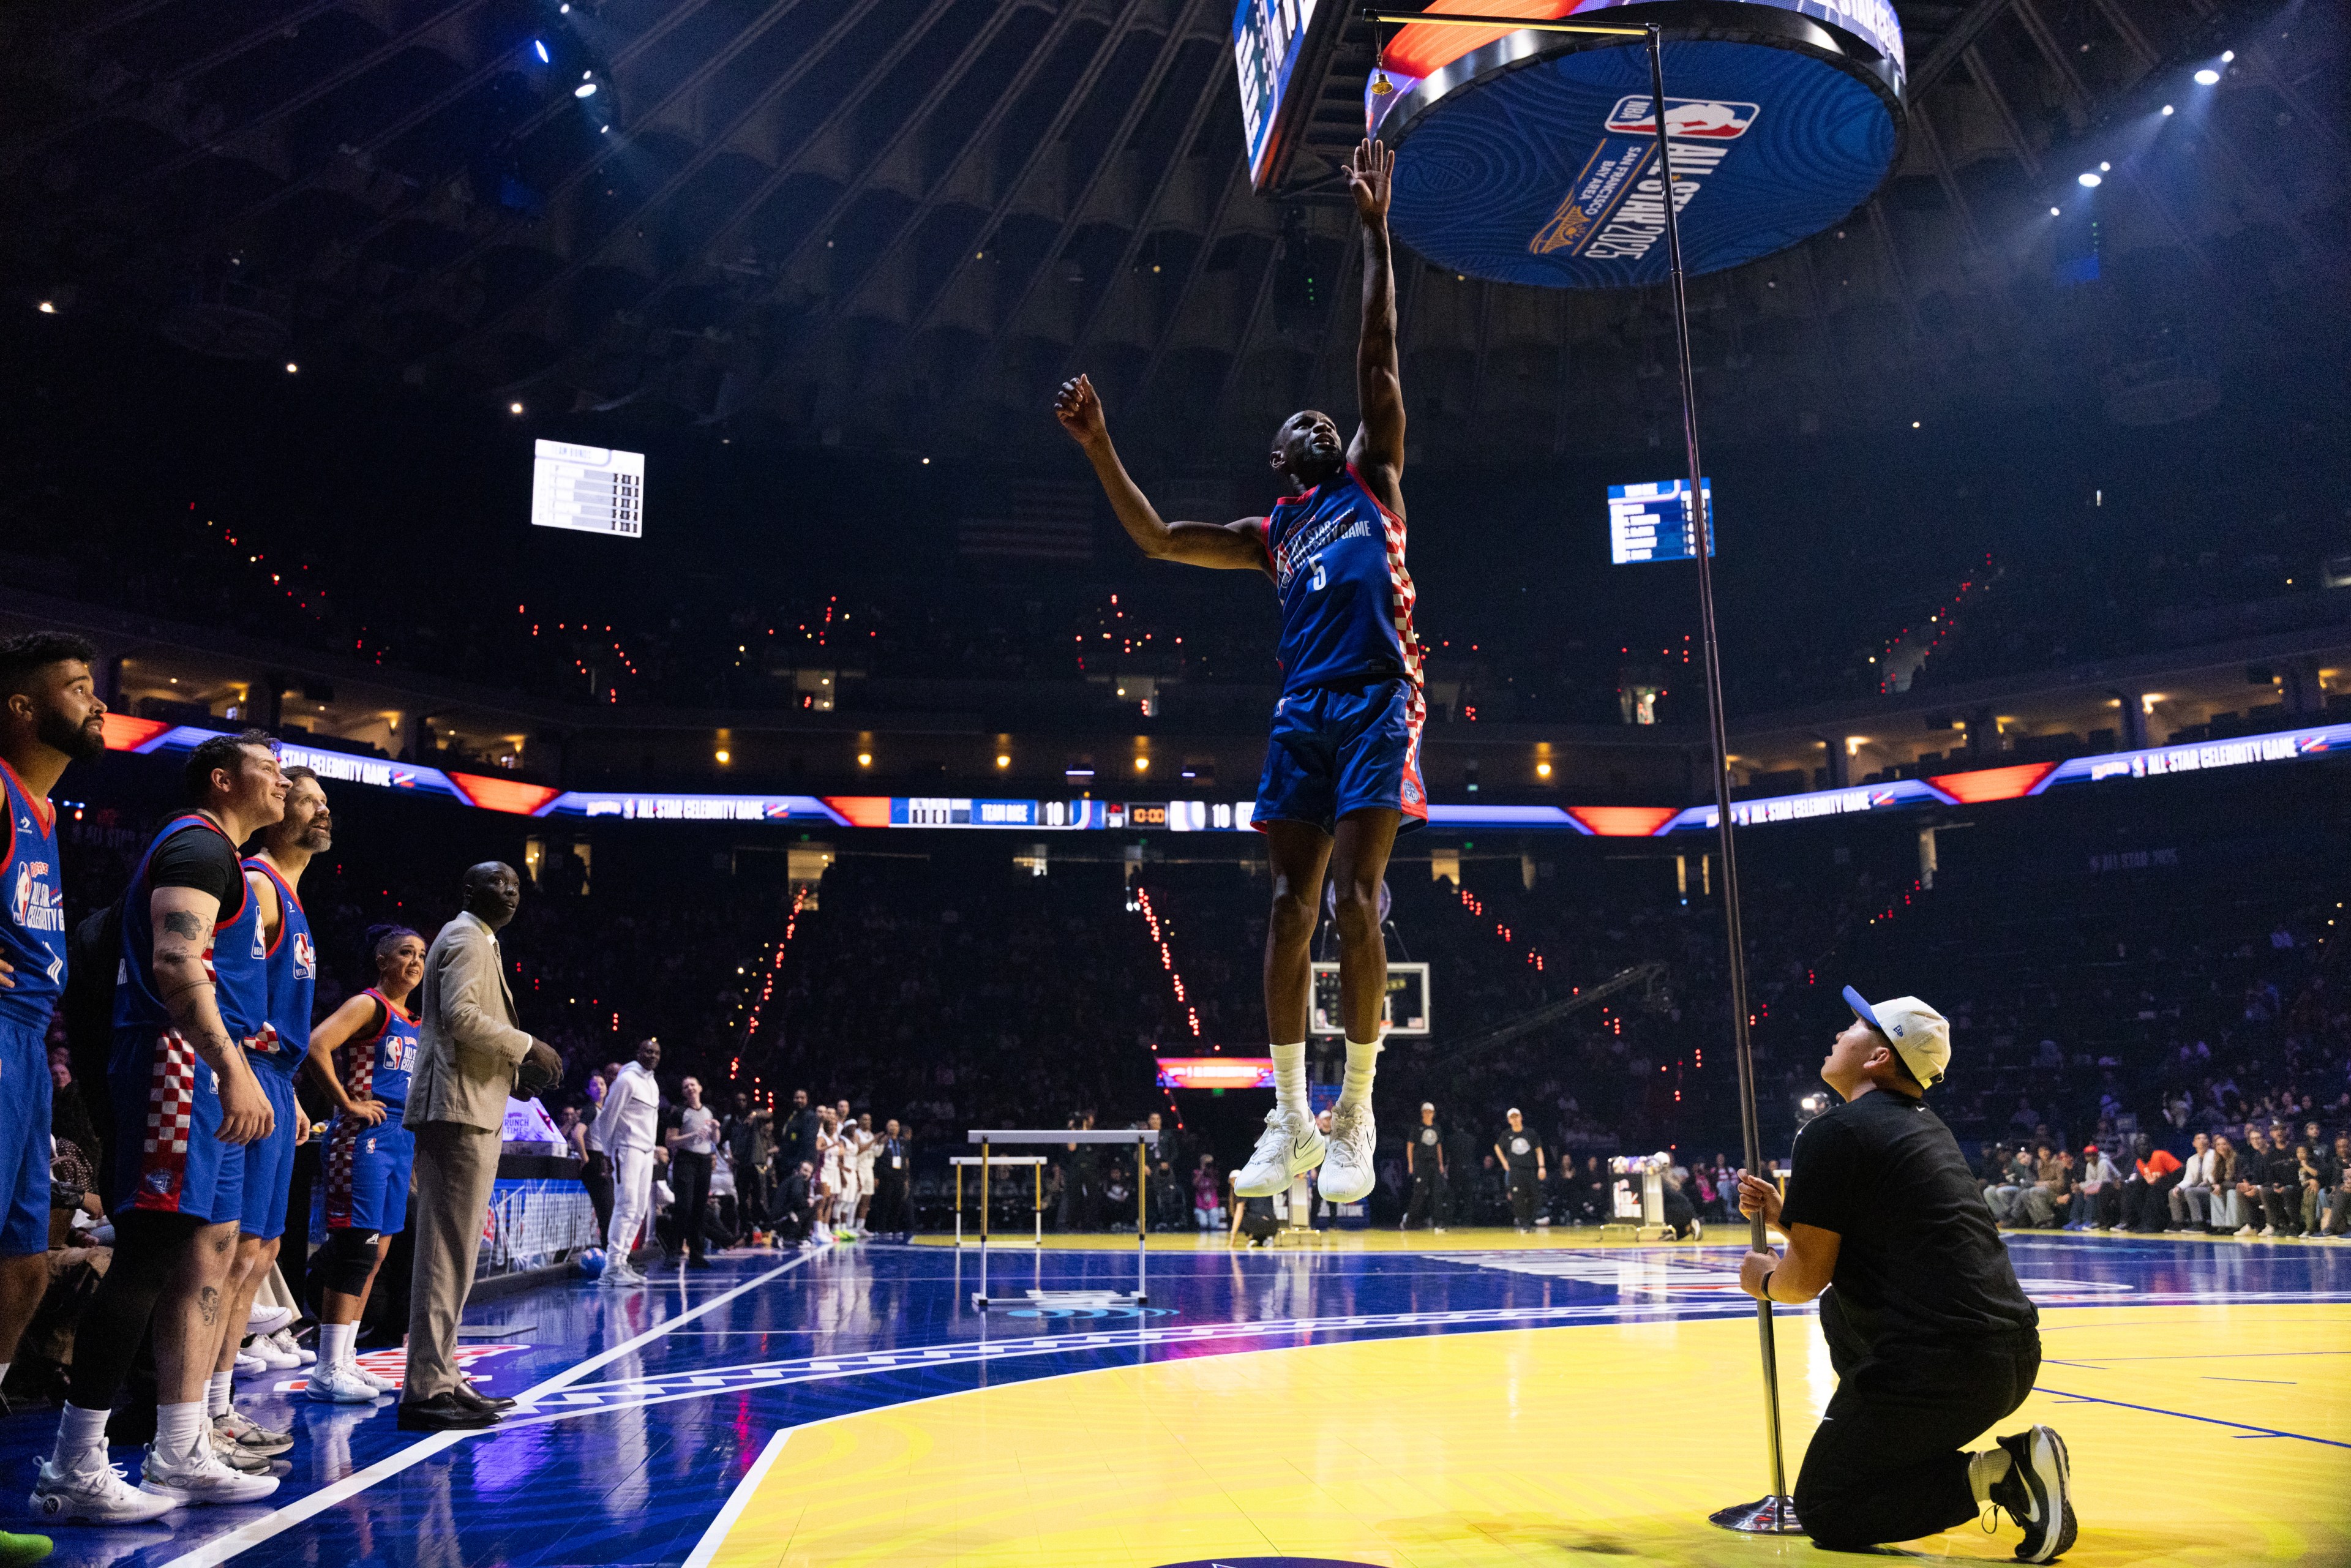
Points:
(1036, 1202)
(1144, 1140)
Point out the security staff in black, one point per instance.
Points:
(1424, 1161)
(1932, 1338)
(1522, 1153)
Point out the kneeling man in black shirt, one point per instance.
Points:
(1931, 1336)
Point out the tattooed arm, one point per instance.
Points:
(183, 919)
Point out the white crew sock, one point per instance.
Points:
(1363, 1060)
(181, 1430)
(81, 1440)
(1290, 1080)
(1986, 1468)
(216, 1394)
(337, 1343)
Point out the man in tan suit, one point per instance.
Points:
(470, 1053)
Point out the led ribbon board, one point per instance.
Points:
(1531, 157)
(1215, 1071)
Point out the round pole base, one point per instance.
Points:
(1767, 1516)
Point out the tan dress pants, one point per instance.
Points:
(456, 1168)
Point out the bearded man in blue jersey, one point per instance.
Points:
(1342, 770)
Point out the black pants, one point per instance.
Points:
(1523, 1194)
(689, 1178)
(888, 1215)
(597, 1177)
(2147, 1205)
(1429, 1205)
(1886, 1464)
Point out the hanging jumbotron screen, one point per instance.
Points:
(1531, 157)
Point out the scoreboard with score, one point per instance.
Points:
(1652, 522)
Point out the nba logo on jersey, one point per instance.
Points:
(305, 957)
(260, 948)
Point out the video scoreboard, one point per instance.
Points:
(1653, 522)
(587, 489)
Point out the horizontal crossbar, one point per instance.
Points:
(1516, 24)
(1064, 1135)
(998, 1160)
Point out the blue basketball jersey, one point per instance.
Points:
(378, 1066)
(1346, 599)
(236, 959)
(292, 967)
(33, 932)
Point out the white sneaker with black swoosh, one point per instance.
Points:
(1290, 1146)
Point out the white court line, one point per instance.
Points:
(243, 1539)
(736, 1501)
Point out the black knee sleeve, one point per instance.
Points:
(349, 1255)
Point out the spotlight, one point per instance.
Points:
(539, 48)
(585, 90)
(2166, 109)
(47, 307)
(2105, 168)
(2206, 77)
(514, 408)
(723, 758)
(865, 759)
(2227, 55)
(291, 367)
(2088, 179)
(1542, 769)
(2052, 212)
(1143, 765)
(1914, 425)
(1002, 760)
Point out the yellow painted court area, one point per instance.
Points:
(1605, 1443)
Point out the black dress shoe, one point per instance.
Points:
(473, 1398)
(443, 1413)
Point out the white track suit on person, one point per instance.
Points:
(628, 1120)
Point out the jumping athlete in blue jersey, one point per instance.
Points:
(50, 716)
(1342, 771)
(363, 1055)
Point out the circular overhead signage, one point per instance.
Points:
(1532, 157)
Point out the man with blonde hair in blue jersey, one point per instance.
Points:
(1342, 770)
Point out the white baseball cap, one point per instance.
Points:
(1919, 1035)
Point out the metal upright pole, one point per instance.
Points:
(1772, 1515)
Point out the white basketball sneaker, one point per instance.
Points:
(359, 1371)
(267, 1320)
(247, 1461)
(1290, 1146)
(102, 1495)
(274, 1356)
(251, 1434)
(1348, 1175)
(285, 1341)
(201, 1478)
(340, 1385)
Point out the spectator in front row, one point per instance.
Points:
(2147, 1191)
(2097, 1194)
(1207, 1195)
(2224, 1210)
(2189, 1199)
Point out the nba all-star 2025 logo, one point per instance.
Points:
(1614, 208)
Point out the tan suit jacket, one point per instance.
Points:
(468, 1043)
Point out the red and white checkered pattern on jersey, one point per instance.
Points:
(342, 1145)
(170, 1113)
(1402, 596)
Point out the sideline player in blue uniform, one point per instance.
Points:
(1342, 771)
(190, 994)
(362, 1054)
(291, 961)
(50, 716)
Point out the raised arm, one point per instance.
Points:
(1377, 450)
(182, 920)
(1230, 547)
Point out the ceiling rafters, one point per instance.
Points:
(1236, 182)
(1136, 103)
(773, 180)
(1240, 360)
(456, 92)
(1193, 125)
(2077, 92)
(391, 48)
(1954, 43)
(509, 227)
(844, 303)
(1981, 74)
(592, 251)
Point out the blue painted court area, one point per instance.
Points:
(644, 1408)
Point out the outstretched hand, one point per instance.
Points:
(1371, 178)
(1079, 410)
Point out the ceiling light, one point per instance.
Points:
(291, 367)
(1542, 769)
(2088, 179)
(539, 47)
(1914, 425)
(2104, 168)
(514, 408)
(865, 759)
(2227, 55)
(49, 307)
(1143, 765)
(2206, 77)
(723, 758)
(585, 90)
(2167, 109)
(2054, 212)
(1002, 760)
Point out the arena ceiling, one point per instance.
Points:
(896, 222)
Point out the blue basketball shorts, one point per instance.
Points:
(169, 1157)
(1340, 750)
(269, 1162)
(367, 1175)
(24, 1140)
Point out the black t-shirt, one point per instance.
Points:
(194, 857)
(1425, 1143)
(1520, 1150)
(1919, 1257)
